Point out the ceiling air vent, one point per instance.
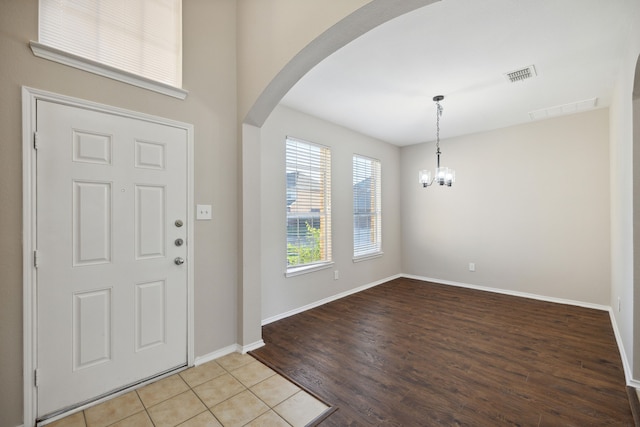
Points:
(521, 74)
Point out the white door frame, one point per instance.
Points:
(29, 272)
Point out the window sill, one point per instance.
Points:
(297, 271)
(52, 54)
(366, 257)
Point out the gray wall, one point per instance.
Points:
(280, 294)
(210, 76)
(530, 208)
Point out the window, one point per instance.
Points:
(141, 38)
(367, 208)
(308, 169)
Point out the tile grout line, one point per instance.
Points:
(246, 388)
(234, 372)
(146, 410)
(201, 401)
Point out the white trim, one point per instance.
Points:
(250, 347)
(233, 348)
(297, 271)
(327, 300)
(628, 373)
(62, 57)
(29, 98)
(509, 292)
(28, 245)
(366, 257)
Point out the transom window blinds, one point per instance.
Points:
(143, 37)
(308, 169)
(367, 206)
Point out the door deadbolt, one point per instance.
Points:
(179, 242)
(179, 223)
(179, 261)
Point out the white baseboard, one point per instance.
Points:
(628, 374)
(233, 348)
(249, 347)
(509, 292)
(327, 300)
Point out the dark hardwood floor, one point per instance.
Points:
(412, 353)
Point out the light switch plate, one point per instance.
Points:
(203, 211)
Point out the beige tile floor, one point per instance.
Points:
(235, 390)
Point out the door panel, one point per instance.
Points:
(150, 314)
(91, 328)
(150, 221)
(111, 302)
(92, 233)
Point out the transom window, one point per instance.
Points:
(367, 207)
(308, 169)
(140, 37)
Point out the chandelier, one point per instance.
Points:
(444, 175)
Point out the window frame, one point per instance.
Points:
(375, 213)
(323, 169)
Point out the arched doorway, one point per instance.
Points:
(348, 29)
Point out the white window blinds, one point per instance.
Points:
(308, 169)
(367, 207)
(143, 37)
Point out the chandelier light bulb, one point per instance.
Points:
(424, 177)
(450, 177)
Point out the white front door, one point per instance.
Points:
(111, 233)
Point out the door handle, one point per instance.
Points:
(179, 261)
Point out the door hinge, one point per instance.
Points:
(36, 377)
(36, 258)
(36, 140)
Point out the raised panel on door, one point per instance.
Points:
(92, 225)
(92, 328)
(151, 318)
(150, 221)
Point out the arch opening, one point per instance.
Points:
(346, 30)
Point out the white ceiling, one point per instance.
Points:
(382, 83)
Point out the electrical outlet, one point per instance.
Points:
(203, 211)
(472, 266)
(336, 275)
